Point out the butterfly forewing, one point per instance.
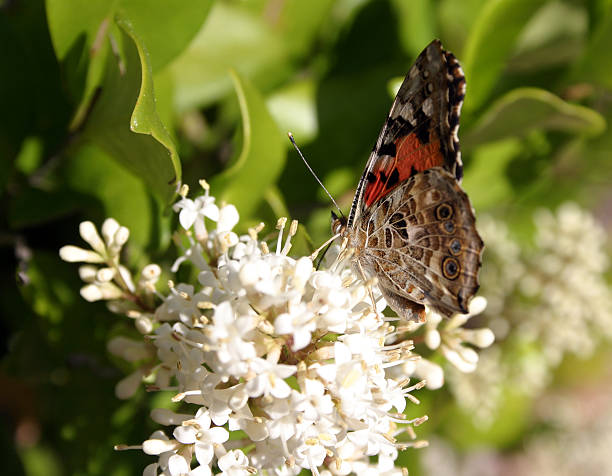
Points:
(421, 129)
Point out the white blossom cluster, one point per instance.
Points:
(574, 436)
(546, 302)
(566, 279)
(278, 366)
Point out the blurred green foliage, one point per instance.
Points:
(98, 100)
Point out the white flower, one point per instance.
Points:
(234, 463)
(451, 337)
(270, 379)
(292, 361)
(199, 433)
(194, 211)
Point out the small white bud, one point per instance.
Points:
(477, 305)
(144, 325)
(121, 237)
(460, 359)
(109, 228)
(431, 373)
(89, 233)
(74, 254)
(151, 272)
(126, 276)
(479, 337)
(105, 275)
(91, 293)
(128, 349)
(109, 291)
(432, 339)
(88, 273)
(127, 387)
(166, 417)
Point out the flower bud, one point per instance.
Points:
(89, 233)
(109, 228)
(74, 254)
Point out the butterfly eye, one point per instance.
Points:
(450, 268)
(444, 211)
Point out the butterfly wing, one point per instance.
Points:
(421, 129)
(421, 242)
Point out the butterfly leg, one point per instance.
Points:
(369, 287)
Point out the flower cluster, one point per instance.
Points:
(296, 364)
(545, 302)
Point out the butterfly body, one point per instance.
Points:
(411, 225)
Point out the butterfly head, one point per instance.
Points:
(338, 224)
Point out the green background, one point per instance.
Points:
(106, 105)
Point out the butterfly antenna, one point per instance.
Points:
(312, 172)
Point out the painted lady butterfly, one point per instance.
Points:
(411, 225)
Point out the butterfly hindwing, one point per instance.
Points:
(422, 243)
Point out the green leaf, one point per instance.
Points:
(294, 109)
(122, 195)
(485, 179)
(595, 65)
(490, 44)
(299, 21)
(416, 22)
(262, 157)
(125, 124)
(250, 47)
(165, 27)
(522, 110)
(79, 30)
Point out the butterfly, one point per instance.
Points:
(411, 225)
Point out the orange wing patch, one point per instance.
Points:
(411, 157)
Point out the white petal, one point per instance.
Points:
(178, 466)
(228, 218)
(202, 470)
(204, 453)
(187, 217)
(150, 470)
(279, 388)
(185, 434)
(218, 434)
